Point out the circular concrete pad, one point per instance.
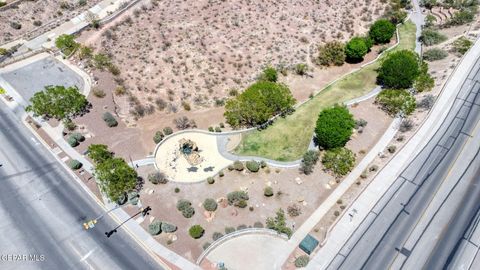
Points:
(169, 160)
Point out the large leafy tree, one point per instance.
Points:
(115, 177)
(258, 103)
(58, 102)
(399, 69)
(396, 101)
(334, 127)
(99, 153)
(356, 49)
(382, 31)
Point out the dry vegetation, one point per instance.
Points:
(188, 64)
(26, 16)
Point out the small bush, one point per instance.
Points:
(72, 141)
(373, 168)
(252, 166)
(69, 124)
(15, 25)
(269, 74)
(406, 125)
(294, 210)
(434, 54)
(79, 137)
(216, 236)
(167, 131)
(74, 164)
(356, 49)
(391, 149)
(206, 245)
(396, 102)
(332, 53)
(188, 212)
(176, 190)
(231, 167)
(109, 119)
(221, 174)
(99, 93)
(238, 165)
(382, 31)
(168, 228)
(217, 129)
(241, 227)
(157, 178)
(461, 45)
(211, 129)
(427, 102)
(258, 224)
(235, 197)
(431, 37)
(158, 137)
(229, 230)
(210, 180)
(196, 231)
(302, 261)
(268, 192)
(210, 204)
(183, 204)
(301, 69)
(155, 228)
(241, 204)
(360, 123)
(339, 160)
(310, 159)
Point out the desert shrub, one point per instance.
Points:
(183, 204)
(356, 49)
(176, 190)
(340, 161)
(184, 123)
(252, 166)
(399, 69)
(37, 23)
(238, 165)
(381, 31)
(237, 198)
(66, 44)
(396, 16)
(15, 25)
(334, 127)
(216, 236)
(158, 137)
(72, 141)
(157, 178)
(431, 37)
(196, 231)
(109, 119)
(188, 212)
(462, 16)
(406, 125)
(428, 3)
(101, 61)
(396, 102)
(211, 129)
(74, 164)
(258, 224)
(161, 104)
(294, 210)
(206, 245)
(241, 227)
(258, 103)
(79, 137)
(210, 204)
(301, 69)
(133, 197)
(268, 191)
(461, 45)
(217, 129)
(278, 223)
(309, 160)
(186, 106)
(99, 93)
(155, 227)
(168, 228)
(229, 230)
(167, 131)
(331, 53)
(424, 82)
(69, 124)
(373, 168)
(427, 102)
(434, 54)
(391, 149)
(269, 74)
(241, 204)
(302, 261)
(221, 174)
(210, 180)
(360, 123)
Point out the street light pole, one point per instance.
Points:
(144, 211)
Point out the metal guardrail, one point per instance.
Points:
(232, 235)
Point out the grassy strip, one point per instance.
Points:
(288, 138)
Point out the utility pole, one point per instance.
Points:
(143, 211)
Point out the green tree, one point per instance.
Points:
(334, 127)
(339, 160)
(356, 49)
(66, 44)
(279, 224)
(331, 53)
(382, 31)
(395, 101)
(196, 231)
(399, 69)
(269, 74)
(99, 153)
(258, 103)
(57, 102)
(115, 177)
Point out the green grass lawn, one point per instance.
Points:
(288, 138)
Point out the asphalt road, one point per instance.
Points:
(42, 210)
(396, 233)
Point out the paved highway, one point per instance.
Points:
(420, 219)
(42, 209)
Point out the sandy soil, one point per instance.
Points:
(199, 61)
(33, 14)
